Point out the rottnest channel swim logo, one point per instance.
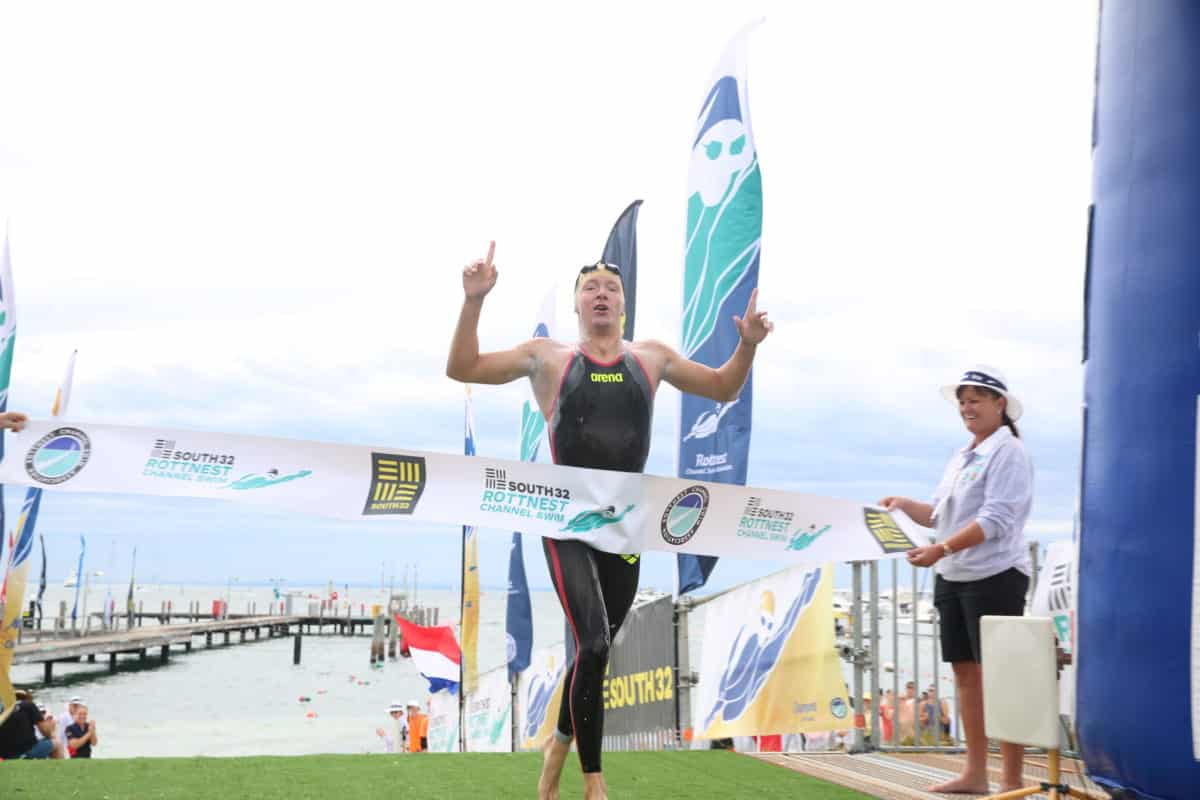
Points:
(683, 515)
(58, 456)
(169, 461)
(522, 498)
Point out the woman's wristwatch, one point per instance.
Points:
(947, 550)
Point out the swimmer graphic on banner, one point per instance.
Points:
(724, 235)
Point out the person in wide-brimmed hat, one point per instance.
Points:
(979, 512)
(395, 737)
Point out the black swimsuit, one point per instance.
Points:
(601, 419)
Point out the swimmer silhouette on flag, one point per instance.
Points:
(541, 692)
(752, 659)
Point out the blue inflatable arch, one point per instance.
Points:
(1139, 601)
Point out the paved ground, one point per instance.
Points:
(904, 776)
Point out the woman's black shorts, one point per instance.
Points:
(960, 604)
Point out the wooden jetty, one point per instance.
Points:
(139, 641)
(144, 631)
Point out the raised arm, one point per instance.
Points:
(725, 382)
(465, 363)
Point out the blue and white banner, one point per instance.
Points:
(58, 456)
(8, 339)
(724, 236)
(617, 512)
(518, 633)
(621, 251)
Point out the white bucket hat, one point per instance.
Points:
(989, 378)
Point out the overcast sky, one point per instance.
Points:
(252, 217)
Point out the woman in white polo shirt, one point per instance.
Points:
(979, 511)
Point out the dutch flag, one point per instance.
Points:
(434, 652)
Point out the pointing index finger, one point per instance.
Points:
(752, 306)
(491, 252)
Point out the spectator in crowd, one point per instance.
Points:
(395, 736)
(81, 734)
(67, 719)
(943, 706)
(418, 728)
(906, 714)
(928, 720)
(19, 733)
(887, 714)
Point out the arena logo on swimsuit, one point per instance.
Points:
(608, 377)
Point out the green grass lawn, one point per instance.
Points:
(482, 776)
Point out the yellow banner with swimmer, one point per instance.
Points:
(768, 664)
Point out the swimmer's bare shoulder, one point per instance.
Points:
(654, 356)
(551, 358)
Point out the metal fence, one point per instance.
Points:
(913, 631)
(892, 637)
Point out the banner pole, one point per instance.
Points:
(857, 747)
(876, 678)
(683, 671)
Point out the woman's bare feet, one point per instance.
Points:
(554, 755)
(963, 784)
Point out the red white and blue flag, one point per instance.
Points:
(434, 652)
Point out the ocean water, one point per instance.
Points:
(244, 699)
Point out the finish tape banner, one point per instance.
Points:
(617, 512)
